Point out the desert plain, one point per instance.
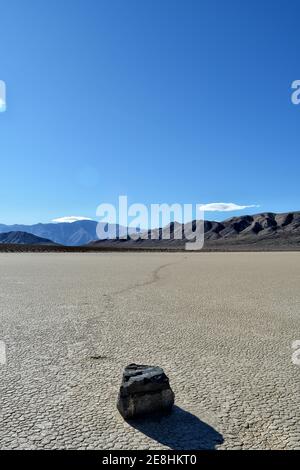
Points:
(221, 325)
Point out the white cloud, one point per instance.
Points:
(2, 96)
(2, 104)
(70, 219)
(224, 207)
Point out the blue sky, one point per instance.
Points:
(164, 101)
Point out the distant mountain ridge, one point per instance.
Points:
(70, 234)
(23, 238)
(265, 230)
(76, 233)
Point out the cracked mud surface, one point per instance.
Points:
(220, 324)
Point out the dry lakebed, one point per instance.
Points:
(221, 325)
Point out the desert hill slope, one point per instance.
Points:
(23, 238)
(266, 230)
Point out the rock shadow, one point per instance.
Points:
(179, 430)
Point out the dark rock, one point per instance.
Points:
(144, 390)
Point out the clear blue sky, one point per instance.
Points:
(165, 101)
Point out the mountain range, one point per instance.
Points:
(76, 233)
(70, 234)
(266, 230)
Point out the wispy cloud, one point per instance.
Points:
(70, 219)
(224, 207)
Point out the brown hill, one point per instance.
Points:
(266, 230)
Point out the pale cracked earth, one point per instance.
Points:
(220, 324)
